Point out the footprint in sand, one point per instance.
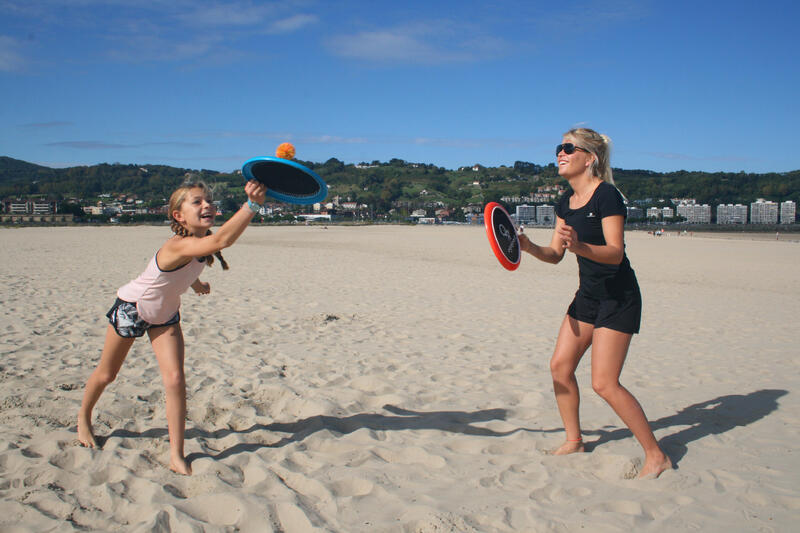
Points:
(626, 507)
(213, 509)
(409, 456)
(291, 518)
(351, 487)
(310, 490)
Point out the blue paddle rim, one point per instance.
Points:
(319, 196)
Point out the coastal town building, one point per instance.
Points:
(635, 212)
(29, 207)
(731, 214)
(526, 214)
(17, 211)
(545, 215)
(763, 212)
(667, 212)
(653, 213)
(788, 212)
(542, 215)
(17, 208)
(695, 213)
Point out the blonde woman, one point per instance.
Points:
(606, 310)
(149, 304)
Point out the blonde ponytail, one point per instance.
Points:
(598, 145)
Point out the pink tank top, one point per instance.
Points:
(156, 293)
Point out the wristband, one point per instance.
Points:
(254, 207)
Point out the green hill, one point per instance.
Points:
(12, 170)
(394, 184)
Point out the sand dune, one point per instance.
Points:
(392, 378)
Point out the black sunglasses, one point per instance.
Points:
(569, 148)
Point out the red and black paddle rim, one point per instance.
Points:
(502, 235)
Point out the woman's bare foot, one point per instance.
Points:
(85, 433)
(569, 446)
(654, 466)
(180, 466)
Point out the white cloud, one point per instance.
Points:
(333, 139)
(596, 15)
(47, 125)
(292, 23)
(675, 156)
(217, 14)
(102, 145)
(422, 42)
(10, 58)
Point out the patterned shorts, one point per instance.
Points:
(125, 319)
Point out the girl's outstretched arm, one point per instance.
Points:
(176, 251)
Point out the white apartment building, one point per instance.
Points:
(545, 215)
(788, 212)
(731, 214)
(634, 212)
(653, 212)
(18, 208)
(526, 214)
(667, 212)
(35, 207)
(763, 212)
(42, 208)
(695, 213)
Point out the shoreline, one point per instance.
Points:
(793, 237)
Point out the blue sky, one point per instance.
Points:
(701, 85)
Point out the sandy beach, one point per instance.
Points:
(389, 378)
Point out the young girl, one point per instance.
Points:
(150, 304)
(607, 308)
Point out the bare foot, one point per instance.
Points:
(569, 446)
(85, 433)
(180, 466)
(653, 467)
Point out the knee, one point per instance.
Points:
(604, 387)
(560, 370)
(104, 377)
(174, 381)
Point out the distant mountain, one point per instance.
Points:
(14, 169)
(398, 184)
(19, 178)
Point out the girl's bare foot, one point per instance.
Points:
(85, 433)
(180, 466)
(569, 446)
(654, 466)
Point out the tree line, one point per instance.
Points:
(388, 185)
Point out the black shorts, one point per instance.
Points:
(126, 321)
(622, 313)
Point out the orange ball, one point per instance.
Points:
(285, 151)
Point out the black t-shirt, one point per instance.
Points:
(598, 280)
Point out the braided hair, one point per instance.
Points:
(175, 202)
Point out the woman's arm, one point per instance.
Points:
(549, 254)
(611, 253)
